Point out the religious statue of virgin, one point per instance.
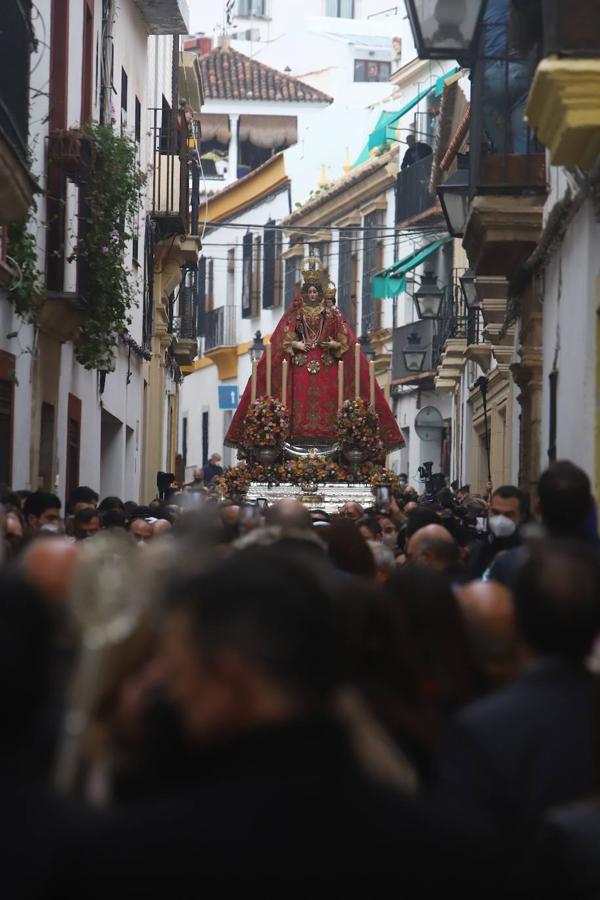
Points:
(315, 338)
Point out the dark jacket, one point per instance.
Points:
(211, 472)
(525, 748)
(565, 862)
(418, 151)
(483, 553)
(284, 811)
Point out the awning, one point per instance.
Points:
(380, 134)
(392, 281)
(269, 132)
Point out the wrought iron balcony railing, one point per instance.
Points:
(175, 170)
(219, 328)
(505, 156)
(412, 191)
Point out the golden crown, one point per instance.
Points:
(330, 291)
(312, 268)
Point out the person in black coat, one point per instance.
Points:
(277, 803)
(532, 744)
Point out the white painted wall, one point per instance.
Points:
(199, 392)
(283, 16)
(122, 400)
(569, 345)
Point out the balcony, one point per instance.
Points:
(16, 184)
(563, 101)
(220, 340)
(414, 203)
(507, 163)
(165, 16)
(184, 326)
(175, 175)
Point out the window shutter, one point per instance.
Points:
(201, 297)
(247, 244)
(278, 270)
(268, 293)
(331, 7)
(256, 283)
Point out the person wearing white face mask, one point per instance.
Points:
(507, 512)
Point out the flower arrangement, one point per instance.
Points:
(387, 478)
(236, 481)
(267, 424)
(357, 425)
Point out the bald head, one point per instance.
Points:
(48, 564)
(289, 514)
(433, 546)
(488, 610)
(352, 510)
(161, 526)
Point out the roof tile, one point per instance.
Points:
(229, 75)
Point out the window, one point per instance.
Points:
(344, 286)
(371, 70)
(230, 299)
(247, 244)
(87, 63)
(123, 100)
(553, 383)
(256, 282)
(135, 244)
(341, 9)
(268, 292)
(201, 298)
(7, 394)
(372, 253)
(278, 286)
(73, 443)
(46, 462)
(184, 440)
(205, 437)
(210, 291)
(247, 8)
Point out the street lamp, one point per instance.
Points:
(429, 297)
(469, 289)
(413, 354)
(454, 199)
(445, 29)
(257, 348)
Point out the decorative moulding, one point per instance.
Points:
(563, 106)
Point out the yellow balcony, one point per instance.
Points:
(563, 106)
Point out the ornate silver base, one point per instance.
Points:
(330, 496)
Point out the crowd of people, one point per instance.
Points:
(201, 696)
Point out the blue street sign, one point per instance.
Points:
(229, 396)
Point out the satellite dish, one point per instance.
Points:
(429, 423)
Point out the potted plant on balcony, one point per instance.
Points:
(113, 193)
(357, 428)
(266, 427)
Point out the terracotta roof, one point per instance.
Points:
(229, 75)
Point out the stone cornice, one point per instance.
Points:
(563, 106)
(502, 230)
